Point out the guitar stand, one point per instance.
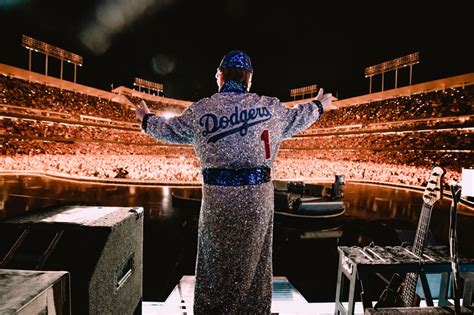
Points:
(356, 263)
(453, 244)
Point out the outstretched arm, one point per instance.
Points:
(174, 129)
(303, 115)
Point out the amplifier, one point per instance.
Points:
(101, 248)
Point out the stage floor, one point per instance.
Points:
(383, 215)
(285, 300)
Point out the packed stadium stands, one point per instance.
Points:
(435, 104)
(48, 129)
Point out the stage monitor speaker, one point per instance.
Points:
(26, 292)
(418, 310)
(101, 248)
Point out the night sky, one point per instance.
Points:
(292, 44)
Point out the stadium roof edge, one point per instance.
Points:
(436, 85)
(127, 91)
(75, 87)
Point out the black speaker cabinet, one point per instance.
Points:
(26, 292)
(101, 248)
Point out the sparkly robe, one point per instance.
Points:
(234, 129)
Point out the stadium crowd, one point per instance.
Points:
(75, 149)
(21, 128)
(185, 167)
(447, 103)
(172, 164)
(455, 139)
(18, 92)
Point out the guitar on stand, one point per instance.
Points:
(391, 296)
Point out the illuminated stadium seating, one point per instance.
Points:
(393, 140)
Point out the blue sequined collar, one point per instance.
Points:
(233, 87)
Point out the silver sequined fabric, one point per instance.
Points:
(230, 130)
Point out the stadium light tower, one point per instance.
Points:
(49, 50)
(395, 64)
(310, 89)
(149, 85)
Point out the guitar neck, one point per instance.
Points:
(422, 230)
(409, 288)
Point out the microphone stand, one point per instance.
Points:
(453, 245)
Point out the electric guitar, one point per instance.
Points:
(432, 194)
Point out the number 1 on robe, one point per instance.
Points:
(266, 142)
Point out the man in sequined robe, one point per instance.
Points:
(236, 135)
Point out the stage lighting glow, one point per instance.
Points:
(168, 115)
(162, 64)
(6, 4)
(112, 17)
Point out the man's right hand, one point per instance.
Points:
(141, 110)
(325, 99)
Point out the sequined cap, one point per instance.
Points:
(236, 59)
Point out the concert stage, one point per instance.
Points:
(307, 256)
(286, 300)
